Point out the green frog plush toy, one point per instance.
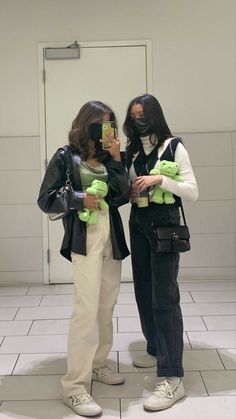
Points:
(170, 169)
(99, 188)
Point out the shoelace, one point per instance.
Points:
(164, 389)
(80, 398)
(103, 371)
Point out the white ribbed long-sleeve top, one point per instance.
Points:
(187, 189)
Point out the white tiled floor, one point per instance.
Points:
(33, 341)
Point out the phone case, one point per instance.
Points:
(108, 129)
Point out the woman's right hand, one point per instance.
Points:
(91, 201)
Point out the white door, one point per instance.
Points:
(111, 73)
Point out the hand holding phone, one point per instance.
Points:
(108, 132)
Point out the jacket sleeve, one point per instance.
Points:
(54, 179)
(118, 182)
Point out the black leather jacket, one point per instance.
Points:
(74, 239)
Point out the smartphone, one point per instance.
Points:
(108, 129)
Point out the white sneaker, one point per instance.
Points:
(145, 361)
(106, 376)
(165, 395)
(83, 404)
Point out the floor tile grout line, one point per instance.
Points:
(40, 301)
(133, 372)
(190, 293)
(217, 350)
(128, 373)
(204, 323)
(188, 340)
(204, 383)
(105, 398)
(32, 322)
(17, 311)
(1, 344)
(219, 315)
(118, 360)
(27, 293)
(17, 359)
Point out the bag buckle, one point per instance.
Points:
(175, 236)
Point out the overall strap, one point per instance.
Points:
(144, 163)
(169, 153)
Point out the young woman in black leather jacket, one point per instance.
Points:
(95, 250)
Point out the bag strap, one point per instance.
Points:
(68, 160)
(172, 147)
(169, 154)
(182, 211)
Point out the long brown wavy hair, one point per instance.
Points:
(92, 111)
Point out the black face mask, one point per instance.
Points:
(95, 131)
(140, 126)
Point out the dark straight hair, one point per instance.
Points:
(155, 119)
(90, 112)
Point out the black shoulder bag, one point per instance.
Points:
(59, 207)
(173, 238)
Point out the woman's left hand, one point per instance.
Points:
(144, 182)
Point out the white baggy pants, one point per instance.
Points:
(96, 287)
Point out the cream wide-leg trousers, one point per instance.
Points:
(96, 287)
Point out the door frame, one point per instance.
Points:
(42, 115)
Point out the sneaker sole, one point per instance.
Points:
(82, 413)
(154, 409)
(109, 384)
(150, 365)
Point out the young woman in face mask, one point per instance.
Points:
(95, 250)
(155, 274)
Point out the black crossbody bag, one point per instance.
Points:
(173, 238)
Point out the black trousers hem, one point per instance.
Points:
(170, 372)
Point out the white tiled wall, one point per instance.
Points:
(212, 219)
(20, 218)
